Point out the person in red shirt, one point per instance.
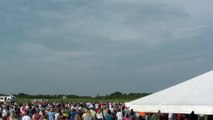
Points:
(127, 117)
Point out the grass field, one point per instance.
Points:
(26, 100)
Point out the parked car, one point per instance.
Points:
(9, 98)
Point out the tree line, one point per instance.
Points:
(115, 95)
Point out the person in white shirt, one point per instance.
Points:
(4, 113)
(99, 115)
(119, 115)
(26, 117)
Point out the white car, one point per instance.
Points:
(9, 98)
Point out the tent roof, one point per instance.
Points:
(192, 95)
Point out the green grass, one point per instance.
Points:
(26, 100)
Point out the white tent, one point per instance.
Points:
(195, 95)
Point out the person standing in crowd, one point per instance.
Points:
(179, 115)
(132, 114)
(51, 114)
(148, 116)
(93, 113)
(127, 117)
(12, 116)
(73, 113)
(99, 115)
(170, 116)
(79, 112)
(105, 110)
(45, 116)
(23, 110)
(154, 116)
(159, 114)
(119, 115)
(193, 116)
(84, 113)
(26, 117)
(58, 114)
(88, 116)
(109, 115)
(37, 116)
(77, 117)
(4, 112)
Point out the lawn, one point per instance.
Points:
(27, 100)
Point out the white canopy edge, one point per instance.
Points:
(186, 109)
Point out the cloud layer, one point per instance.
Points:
(98, 47)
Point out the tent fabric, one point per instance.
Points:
(195, 95)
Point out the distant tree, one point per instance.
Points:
(2, 94)
(116, 94)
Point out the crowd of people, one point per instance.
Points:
(82, 111)
(66, 111)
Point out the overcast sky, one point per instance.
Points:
(90, 47)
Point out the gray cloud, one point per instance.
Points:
(81, 47)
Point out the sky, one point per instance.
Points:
(97, 47)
